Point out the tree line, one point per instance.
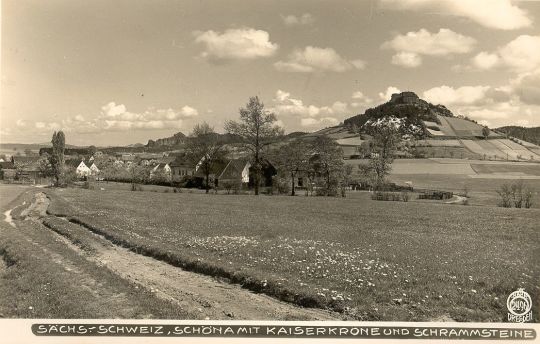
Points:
(317, 161)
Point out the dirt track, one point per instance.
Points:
(203, 296)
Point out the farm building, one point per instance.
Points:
(94, 168)
(240, 172)
(7, 170)
(181, 168)
(28, 170)
(81, 169)
(163, 168)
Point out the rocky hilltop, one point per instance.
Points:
(174, 140)
(406, 106)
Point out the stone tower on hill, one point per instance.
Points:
(405, 98)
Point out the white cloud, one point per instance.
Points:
(360, 99)
(527, 87)
(313, 59)
(236, 44)
(485, 60)
(522, 55)
(492, 106)
(386, 95)
(115, 117)
(188, 111)
(292, 20)
(49, 126)
(465, 95)
(497, 14)
(407, 59)
(324, 121)
(359, 96)
(291, 109)
(423, 42)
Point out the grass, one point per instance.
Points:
(41, 277)
(481, 192)
(371, 260)
(531, 169)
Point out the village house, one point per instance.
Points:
(94, 169)
(181, 168)
(80, 167)
(162, 168)
(27, 169)
(239, 172)
(7, 171)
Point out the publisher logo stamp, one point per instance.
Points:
(519, 304)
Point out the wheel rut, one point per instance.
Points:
(204, 296)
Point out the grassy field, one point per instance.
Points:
(371, 260)
(480, 191)
(41, 277)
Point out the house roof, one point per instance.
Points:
(179, 162)
(7, 165)
(26, 159)
(74, 162)
(234, 169)
(160, 166)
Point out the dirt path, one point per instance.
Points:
(204, 296)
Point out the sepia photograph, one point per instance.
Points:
(323, 169)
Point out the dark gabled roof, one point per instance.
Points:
(7, 165)
(74, 162)
(234, 169)
(26, 159)
(179, 162)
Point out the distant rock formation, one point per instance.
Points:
(402, 105)
(174, 140)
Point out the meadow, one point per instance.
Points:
(369, 260)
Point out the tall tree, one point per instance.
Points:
(328, 162)
(205, 150)
(386, 139)
(292, 159)
(485, 132)
(257, 127)
(57, 157)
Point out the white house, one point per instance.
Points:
(80, 167)
(161, 167)
(94, 169)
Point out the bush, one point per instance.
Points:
(516, 194)
(405, 196)
(280, 185)
(388, 196)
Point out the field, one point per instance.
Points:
(42, 277)
(368, 260)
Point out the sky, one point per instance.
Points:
(120, 72)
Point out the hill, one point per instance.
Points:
(412, 112)
(175, 140)
(531, 135)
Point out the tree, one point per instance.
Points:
(57, 157)
(327, 162)
(386, 138)
(485, 132)
(292, 159)
(205, 150)
(257, 127)
(45, 168)
(345, 178)
(138, 174)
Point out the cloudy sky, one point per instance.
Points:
(119, 72)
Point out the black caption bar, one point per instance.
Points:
(270, 331)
